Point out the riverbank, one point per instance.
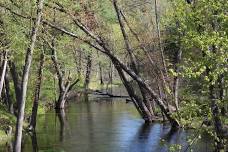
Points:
(7, 120)
(105, 124)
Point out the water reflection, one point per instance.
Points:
(34, 142)
(8, 147)
(102, 126)
(62, 120)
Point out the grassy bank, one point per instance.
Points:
(6, 120)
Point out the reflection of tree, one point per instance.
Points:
(172, 135)
(34, 142)
(62, 120)
(86, 97)
(144, 131)
(141, 138)
(9, 147)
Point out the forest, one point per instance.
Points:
(113, 75)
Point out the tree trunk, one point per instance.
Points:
(16, 82)
(61, 100)
(100, 70)
(7, 90)
(140, 106)
(88, 72)
(216, 119)
(176, 78)
(32, 124)
(159, 37)
(222, 94)
(131, 55)
(64, 87)
(28, 61)
(101, 74)
(158, 73)
(79, 66)
(4, 67)
(160, 103)
(77, 58)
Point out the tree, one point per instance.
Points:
(28, 61)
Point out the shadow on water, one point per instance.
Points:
(102, 125)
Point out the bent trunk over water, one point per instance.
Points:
(104, 48)
(132, 57)
(139, 104)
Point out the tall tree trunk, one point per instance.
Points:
(16, 82)
(176, 78)
(28, 61)
(88, 72)
(77, 58)
(61, 100)
(218, 126)
(4, 67)
(32, 124)
(216, 119)
(79, 66)
(159, 37)
(101, 74)
(64, 87)
(222, 94)
(7, 90)
(100, 70)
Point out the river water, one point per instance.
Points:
(104, 125)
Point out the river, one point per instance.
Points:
(104, 125)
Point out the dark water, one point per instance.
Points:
(103, 126)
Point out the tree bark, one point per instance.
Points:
(158, 73)
(88, 72)
(176, 78)
(4, 67)
(132, 57)
(64, 85)
(28, 61)
(32, 124)
(140, 106)
(7, 90)
(101, 74)
(159, 37)
(216, 119)
(222, 94)
(16, 82)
